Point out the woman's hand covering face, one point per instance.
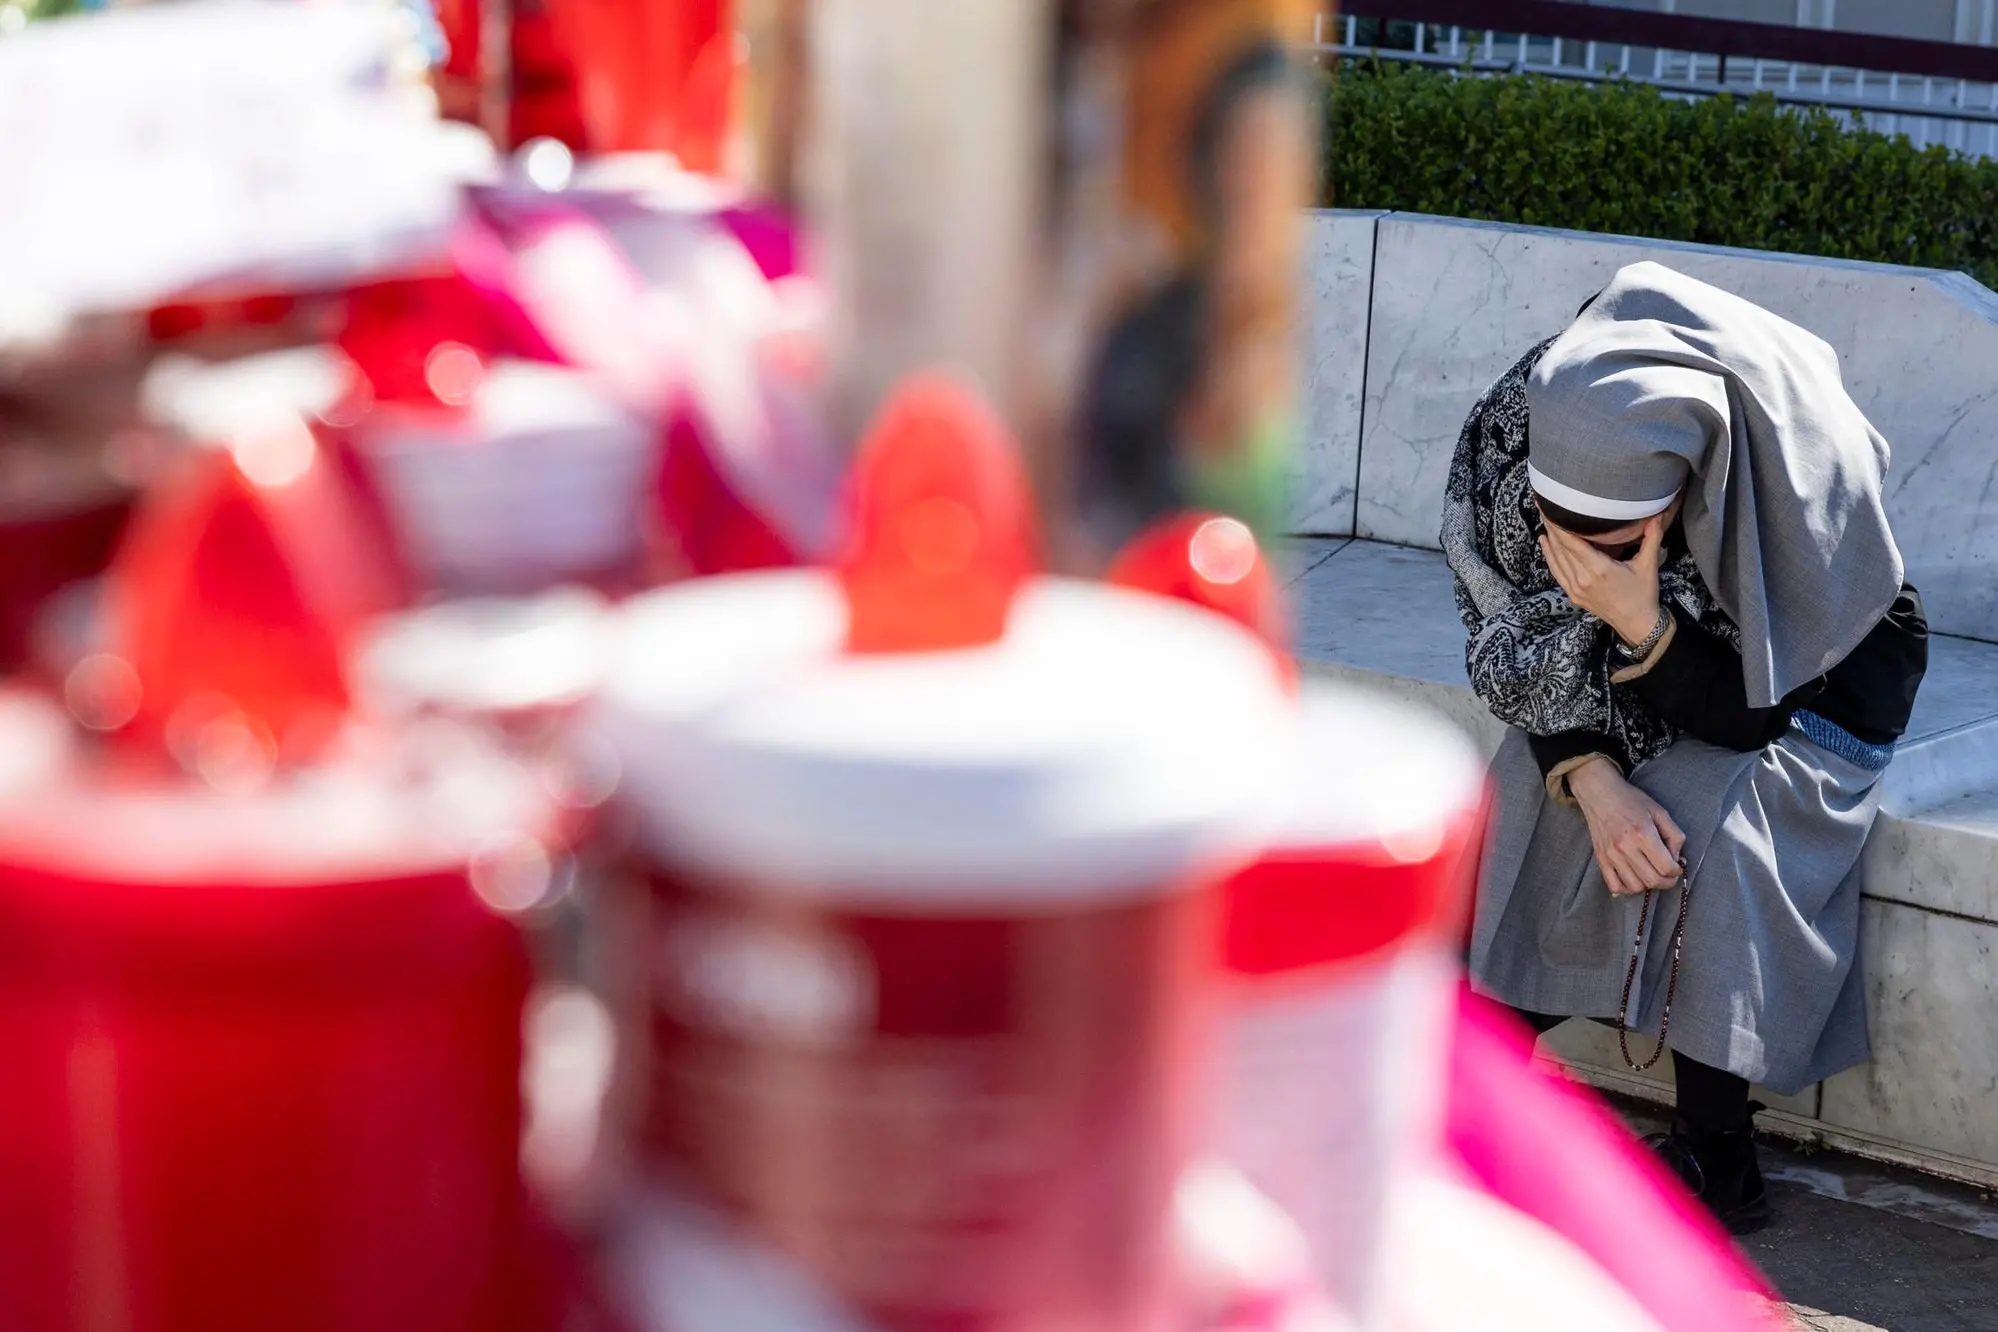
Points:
(1622, 595)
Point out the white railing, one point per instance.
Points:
(1957, 113)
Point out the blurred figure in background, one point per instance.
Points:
(1682, 593)
(1188, 402)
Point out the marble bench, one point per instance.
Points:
(1383, 615)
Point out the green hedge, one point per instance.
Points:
(1621, 158)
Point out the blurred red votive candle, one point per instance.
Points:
(920, 934)
(1339, 947)
(262, 997)
(1215, 562)
(263, 1047)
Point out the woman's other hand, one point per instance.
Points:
(1637, 843)
(1622, 595)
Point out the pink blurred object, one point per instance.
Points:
(750, 474)
(696, 317)
(483, 264)
(503, 407)
(1554, 1152)
(565, 292)
(1458, 1258)
(770, 237)
(538, 279)
(705, 526)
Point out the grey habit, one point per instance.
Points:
(1768, 987)
(1663, 384)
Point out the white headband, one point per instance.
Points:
(1595, 506)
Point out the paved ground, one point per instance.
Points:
(1859, 1247)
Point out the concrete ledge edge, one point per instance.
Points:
(1805, 1129)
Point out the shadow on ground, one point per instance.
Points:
(1920, 1256)
(1867, 1268)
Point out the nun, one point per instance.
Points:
(1682, 595)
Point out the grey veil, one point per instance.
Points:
(1665, 381)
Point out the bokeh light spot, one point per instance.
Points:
(454, 373)
(1223, 551)
(102, 692)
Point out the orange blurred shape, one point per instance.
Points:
(941, 523)
(706, 105)
(634, 61)
(1214, 562)
(241, 584)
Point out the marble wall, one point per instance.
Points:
(1454, 302)
(1931, 990)
(1332, 329)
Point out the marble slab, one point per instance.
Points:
(1943, 859)
(1383, 616)
(1294, 557)
(1976, 814)
(1961, 687)
(1455, 302)
(1332, 330)
(1932, 1000)
(1935, 770)
(1591, 1047)
(1951, 748)
(1385, 609)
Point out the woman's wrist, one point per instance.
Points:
(1641, 629)
(1596, 774)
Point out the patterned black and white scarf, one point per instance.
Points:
(1537, 660)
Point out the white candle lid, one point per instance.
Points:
(439, 800)
(1110, 745)
(544, 477)
(518, 401)
(484, 655)
(1368, 767)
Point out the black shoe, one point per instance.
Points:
(1721, 1170)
